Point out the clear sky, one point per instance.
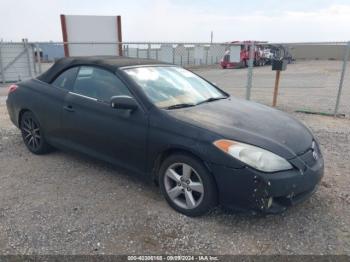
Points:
(181, 20)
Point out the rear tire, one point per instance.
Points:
(32, 134)
(187, 185)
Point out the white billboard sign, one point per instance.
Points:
(91, 29)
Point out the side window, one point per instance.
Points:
(98, 83)
(66, 79)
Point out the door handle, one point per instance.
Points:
(68, 108)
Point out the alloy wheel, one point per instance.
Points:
(183, 185)
(31, 133)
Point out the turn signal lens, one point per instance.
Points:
(224, 145)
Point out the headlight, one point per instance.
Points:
(253, 156)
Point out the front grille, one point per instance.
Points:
(295, 199)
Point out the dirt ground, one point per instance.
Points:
(65, 203)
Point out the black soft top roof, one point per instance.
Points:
(109, 62)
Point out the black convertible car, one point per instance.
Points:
(203, 146)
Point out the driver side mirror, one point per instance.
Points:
(123, 102)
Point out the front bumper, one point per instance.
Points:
(247, 188)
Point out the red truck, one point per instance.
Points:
(237, 54)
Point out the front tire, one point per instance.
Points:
(187, 185)
(32, 134)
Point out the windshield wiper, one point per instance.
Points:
(212, 99)
(179, 106)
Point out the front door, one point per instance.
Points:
(91, 125)
(53, 102)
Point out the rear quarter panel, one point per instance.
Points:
(43, 100)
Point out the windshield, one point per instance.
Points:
(169, 86)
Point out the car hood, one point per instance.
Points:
(251, 123)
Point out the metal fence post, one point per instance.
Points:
(173, 55)
(32, 49)
(38, 58)
(25, 42)
(2, 65)
(188, 56)
(250, 70)
(149, 51)
(345, 62)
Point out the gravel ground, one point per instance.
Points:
(64, 203)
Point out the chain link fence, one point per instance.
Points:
(187, 54)
(315, 82)
(16, 61)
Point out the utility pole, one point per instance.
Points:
(345, 61)
(250, 70)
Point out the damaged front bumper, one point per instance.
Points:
(246, 188)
